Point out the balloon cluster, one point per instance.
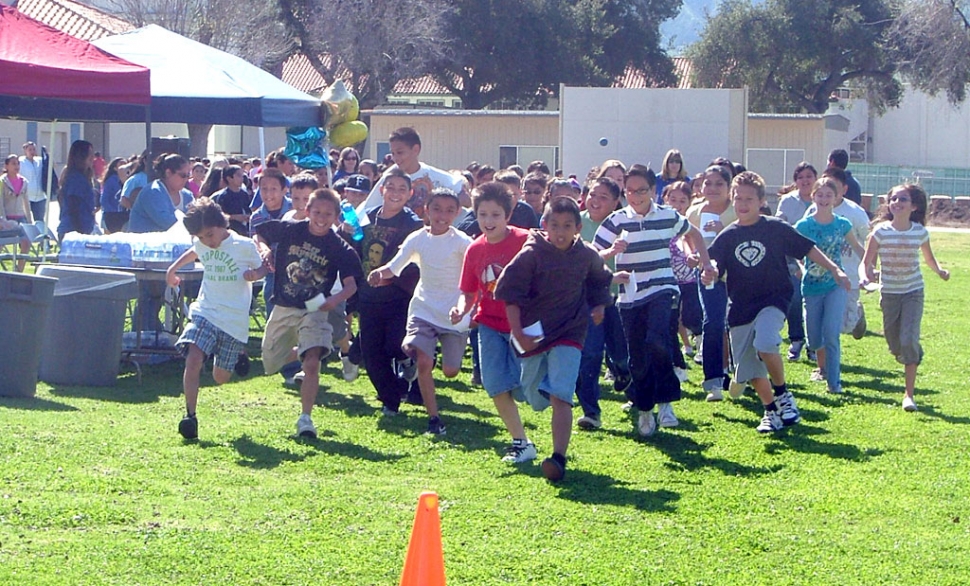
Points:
(305, 146)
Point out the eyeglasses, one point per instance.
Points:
(900, 198)
(641, 192)
(183, 175)
(350, 158)
(676, 161)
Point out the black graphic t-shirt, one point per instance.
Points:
(382, 239)
(306, 264)
(754, 259)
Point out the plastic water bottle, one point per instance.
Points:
(351, 219)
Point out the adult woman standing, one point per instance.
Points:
(673, 170)
(112, 213)
(347, 164)
(154, 210)
(77, 196)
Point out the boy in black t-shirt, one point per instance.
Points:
(309, 258)
(234, 199)
(383, 308)
(752, 253)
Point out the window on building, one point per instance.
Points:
(525, 154)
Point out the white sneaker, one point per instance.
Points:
(736, 389)
(837, 390)
(351, 370)
(665, 415)
(909, 404)
(686, 350)
(681, 374)
(714, 396)
(520, 451)
(625, 407)
(817, 376)
(788, 409)
(646, 425)
(305, 428)
(589, 422)
(771, 422)
(698, 345)
(296, 379)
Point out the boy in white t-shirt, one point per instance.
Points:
(220, 315)
(438, 250)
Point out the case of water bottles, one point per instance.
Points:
(156, 250)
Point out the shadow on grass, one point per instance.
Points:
(687, 455)
(465, 433)
(264, 457)
(129, 390)
(34, 404)
(590, 488)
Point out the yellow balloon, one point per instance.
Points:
(340, 105)
(348, 134)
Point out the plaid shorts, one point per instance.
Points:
(212, 341)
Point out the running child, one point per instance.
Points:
(437, 250)
(301, 187)
(309, 258)
(219, 317)
(752, 252)
(553, 285)
(897, 241)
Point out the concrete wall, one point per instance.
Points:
(451, 139)
(923, 131)
(640, 125)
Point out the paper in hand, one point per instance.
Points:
(315, 303)
(535, 330)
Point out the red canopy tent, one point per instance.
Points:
(48, 75)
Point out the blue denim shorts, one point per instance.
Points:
(552, 373)
(501, 368)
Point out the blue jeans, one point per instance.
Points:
(647, 327)
(37, 209)
(796, 324)
(501, 368)
(609, 336)
(616, 350)
(714, 304)
(823, 320)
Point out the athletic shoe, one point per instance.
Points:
(189, 427)
(296, 379)
(351, 371)
(622, 382)
(698, 357)
(665, 415)
(736, 389)
(909, 404)
(836, 390)
(646, 424)
(795, 350)
(698, 348)
(860, 326)
(681, 374)
(788, 409)
(388, 412)
(687, 351)
(242, 365)
(589, 422)
(714, 396)
(625, 407)
(305, 428)
(817, 376)
(554, 468)
(520, 451)
(771, 422)
(810, 355)
(436, 426)
(608, 376)
(406, 369)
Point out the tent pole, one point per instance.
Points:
(148, 143)
(262, 146)
(50, 171)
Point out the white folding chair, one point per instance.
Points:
(9, 248)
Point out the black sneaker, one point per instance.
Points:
(189, 427)
(436, 426)
(622, 382)
(242, 365)
(554, 468)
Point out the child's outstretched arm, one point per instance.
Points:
(466, 303)
(257, 273)
(823, 261)
(931, 261)
(188, 257)
(867, 269)
(697, 243)
(854, 243)
(265, 252)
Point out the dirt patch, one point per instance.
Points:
(948, 212)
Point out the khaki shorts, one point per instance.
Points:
(288, 327)
(425, 336)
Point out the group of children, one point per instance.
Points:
(540, 301)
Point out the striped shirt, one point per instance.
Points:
(648, 255)
(899, 257)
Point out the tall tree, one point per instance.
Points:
(372, 43)
(931, 42)
(793, 54)
(246, 28)
(519, 51)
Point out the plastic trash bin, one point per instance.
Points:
(82, 341)
(24, 304)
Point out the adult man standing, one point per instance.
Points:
(31, 168)
(839, 159)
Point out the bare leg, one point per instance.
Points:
(910, 370)
(764, 390)
(190, 377)
(820, 358)
(220, 375)
(311, 380)
(562, 425)
(509, 412)
(425, 380)
(775, 366)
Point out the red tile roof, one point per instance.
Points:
(74, 18)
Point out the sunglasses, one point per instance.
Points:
(900, 198)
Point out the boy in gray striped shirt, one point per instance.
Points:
(639, 236)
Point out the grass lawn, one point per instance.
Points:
(97, 487)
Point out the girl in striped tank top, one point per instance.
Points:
(897, 241)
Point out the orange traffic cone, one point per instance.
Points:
(425, 564)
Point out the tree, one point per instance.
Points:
(793, 54)
(371, 44)
(249, 29)
(519, 51)
(930, 41)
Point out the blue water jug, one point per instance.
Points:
(351, 219)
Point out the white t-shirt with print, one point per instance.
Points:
(225, 296)
(423, 181)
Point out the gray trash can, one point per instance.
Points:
(82, 341)
(24, 303)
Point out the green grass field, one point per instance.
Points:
(97, 487)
